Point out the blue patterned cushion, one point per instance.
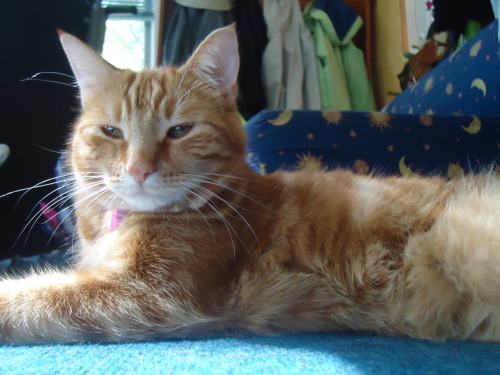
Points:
(372, 142)
(467, 82)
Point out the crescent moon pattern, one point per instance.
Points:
(474, 127)
(404, 169)
(474, 50)
(479, 84)
(283, 118)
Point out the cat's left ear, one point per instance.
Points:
(89, 67)
(217, 58)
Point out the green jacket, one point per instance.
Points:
(342, 74)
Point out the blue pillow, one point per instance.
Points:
(466, 83)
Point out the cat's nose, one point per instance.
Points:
(140, 170)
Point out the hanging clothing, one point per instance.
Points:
(252, 36)
(190, 25)
(343, 78)
(289, 69)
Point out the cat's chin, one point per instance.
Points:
(160, 204)
(153, 203)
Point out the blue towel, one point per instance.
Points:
(293, 354)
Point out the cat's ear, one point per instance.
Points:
(89, 68)
(217, 58)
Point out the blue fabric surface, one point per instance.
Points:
(467, 82)
(372, 142)
(296, 354)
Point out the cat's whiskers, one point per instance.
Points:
(112, 198)
(55, 73)
(90, 199)
(238, 178)
(186, 68)
(35, 76)
(201, 214)
(57, 202)
(180, 102)
(116, 196)
(38, 185)
(76, 205)
(213, 181)
(223, 219)
(60, 223)
(48, 81)
(68, 195)
(62, 197)
(55, 191)
(50, 205)
(186, 210)
(33, 218)
(229, 205)
(234, 204)
(50, 150)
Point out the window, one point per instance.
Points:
(129, 40)
(418, 20)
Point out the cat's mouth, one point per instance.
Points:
(154, 194)
(159, 195)
(152, 199)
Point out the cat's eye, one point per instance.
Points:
(179, 131)
(112, 132)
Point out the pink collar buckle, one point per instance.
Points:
(116, 218)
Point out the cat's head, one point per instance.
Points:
(158, 139)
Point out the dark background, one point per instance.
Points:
(34, 116)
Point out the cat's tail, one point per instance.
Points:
(455, 273)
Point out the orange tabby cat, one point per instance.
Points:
(208, 247)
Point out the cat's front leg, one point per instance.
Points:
(73, 306)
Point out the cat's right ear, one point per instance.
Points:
(89, 68)
(217, 59)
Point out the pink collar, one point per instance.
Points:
(116, 218)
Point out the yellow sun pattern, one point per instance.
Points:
(380, 120)
(425, 120)
(309, 162)
(361, 167)
(332, 117)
